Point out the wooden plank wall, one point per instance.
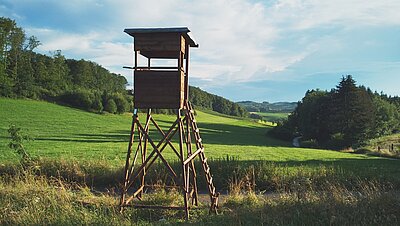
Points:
(159, 89)
(158, 42)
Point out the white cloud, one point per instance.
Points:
(239, 39)
(305, 14)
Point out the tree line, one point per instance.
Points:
(216, 103)
(346, 116)
(204, 100)
(78, 83)
(279, 107)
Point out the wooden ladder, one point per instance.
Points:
(199, 145)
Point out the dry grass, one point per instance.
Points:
(29, 199)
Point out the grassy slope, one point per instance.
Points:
(386, 146)
(62, 132)
(67, 133)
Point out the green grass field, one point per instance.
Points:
(65, 133)
(83, 151)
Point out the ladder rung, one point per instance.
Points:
(200, 151)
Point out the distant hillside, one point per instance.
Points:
(252, 106)
(216, 103)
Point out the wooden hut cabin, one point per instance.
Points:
(161, 86)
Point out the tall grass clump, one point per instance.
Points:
(372, 204)
(61, 193)
(229, 176)
(32, 200)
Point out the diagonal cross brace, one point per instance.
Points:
(171, 132)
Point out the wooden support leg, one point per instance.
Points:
(184, 172)
(195, 196)
(127, 163)
(191, 168)
(144, 150)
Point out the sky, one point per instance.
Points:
(249, 50)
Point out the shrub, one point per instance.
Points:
(110, 106)
(78, 98)
(97, 104)
(337, 142)
(312, 143)
(121, 103)
(16, 144)
(282, 131)
(255, 116)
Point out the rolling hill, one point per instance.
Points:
(61, 132)
(278, 107)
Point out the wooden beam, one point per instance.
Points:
(171, 132)
(184, 171)
(140, 189)
(191, 157)
(158, 152)
(162, 133)
(157, 68)
(155, 207)
(127, 163)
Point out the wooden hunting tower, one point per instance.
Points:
(164, 87)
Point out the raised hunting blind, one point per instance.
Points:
(164, 87)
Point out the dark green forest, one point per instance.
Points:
(77, 83)
(346, 116)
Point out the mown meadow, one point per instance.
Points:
(80, 156)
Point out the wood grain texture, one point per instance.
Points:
(158, 42)
(159, 89)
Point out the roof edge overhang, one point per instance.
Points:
(181, 30)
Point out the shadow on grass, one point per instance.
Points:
(226, 134)
(267, 175)
(211, 133)
(88, 138)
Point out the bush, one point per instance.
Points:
(111, 106)
(121, 103)
(97, 104)
(78, 98)
(255, 116)
(16, 144)
(312, 143)
(282, 131)
(337, 142)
